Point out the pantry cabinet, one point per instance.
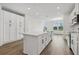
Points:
(13, 26)
(20, 27)
(1, 27)
(6, 18)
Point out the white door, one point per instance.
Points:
(6, 17)
(20, 27)
(13, 27)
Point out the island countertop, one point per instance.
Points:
(34, 33)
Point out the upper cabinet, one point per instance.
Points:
(74, 14)
(77, 8)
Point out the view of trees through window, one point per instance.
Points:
(58, 25)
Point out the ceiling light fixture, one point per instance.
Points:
(58, 7)
(29, 8)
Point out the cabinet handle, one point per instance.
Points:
(9, 25)
(72, 41)
(45, 39)
(42, 41)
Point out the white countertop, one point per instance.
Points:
(34, 33)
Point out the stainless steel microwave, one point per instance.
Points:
(75, 19)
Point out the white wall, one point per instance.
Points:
(33, 25)
(68, 21)
(66, 24)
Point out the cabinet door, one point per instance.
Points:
(72, 41)
(41, 43)
(77, 8)
(13, 29)
(75, 47)
(9, 27)
(6, 16)
(1, 27)
(20, 27)
(46, 39)
(75, 43)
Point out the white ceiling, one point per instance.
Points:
(41, 10)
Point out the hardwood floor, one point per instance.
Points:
(14, 48)
(58, 46)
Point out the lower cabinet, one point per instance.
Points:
(34, 45)
(75, 41)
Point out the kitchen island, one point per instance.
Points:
(34, 44)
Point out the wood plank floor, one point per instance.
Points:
(14, 48)
(58, 46)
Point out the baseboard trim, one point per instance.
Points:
(72, 51)
(46, 46)
(24, 53)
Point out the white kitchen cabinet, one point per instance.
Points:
(75, 40)
(30, 44)
(13, 26)
(6, 18)
(9, 27)
(41, 40)
(74, 30)
(34, 44)
(1, 27)
(77, 8)
(20, 27)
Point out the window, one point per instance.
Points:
(60, 28)
(55, 28)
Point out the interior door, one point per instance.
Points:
(6, 16)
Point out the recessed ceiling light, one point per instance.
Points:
(29, 8)
(58, 7)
